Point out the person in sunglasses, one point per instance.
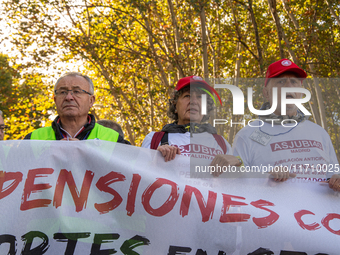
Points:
(74, 97)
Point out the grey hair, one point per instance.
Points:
(113, 125)
(0, 113)
(176, 94)
(74, 74)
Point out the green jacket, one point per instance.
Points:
(98, 132)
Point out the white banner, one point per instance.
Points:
(96, 197)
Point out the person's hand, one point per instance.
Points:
(334, 182)
(169, 152)
(224, 160)
(281, 175)
(69, 139)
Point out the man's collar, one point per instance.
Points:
(89, 119)
(277, 119)
(66, 134)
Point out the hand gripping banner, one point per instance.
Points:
(96, 197)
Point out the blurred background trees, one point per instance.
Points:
(135, 51)
(25, 101)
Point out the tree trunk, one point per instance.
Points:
(311, 67)
(272, 8)
(333, 12)
(158, 63)
(257, 37)
(218, 75)
(152, 114)
(237, 76)
(177, 40)
(120, 105)
(212, 51)
(204, 44)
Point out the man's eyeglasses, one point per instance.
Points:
(3, 127)
(74, 92)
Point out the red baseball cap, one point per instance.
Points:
(281, 66)
(195, 80)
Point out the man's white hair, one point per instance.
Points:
(74, 74)
(0, 113)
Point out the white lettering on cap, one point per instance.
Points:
(197, 78)
(286, 62)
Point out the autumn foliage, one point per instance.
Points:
(135, 51)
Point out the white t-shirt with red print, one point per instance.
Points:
(197, 145)
(306, 149)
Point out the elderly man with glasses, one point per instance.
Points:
(2, 127)
(74, 97)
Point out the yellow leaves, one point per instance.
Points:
(28, 107)
(119, 54)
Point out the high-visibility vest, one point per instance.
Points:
(98, 132)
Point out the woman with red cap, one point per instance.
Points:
(188, 135)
